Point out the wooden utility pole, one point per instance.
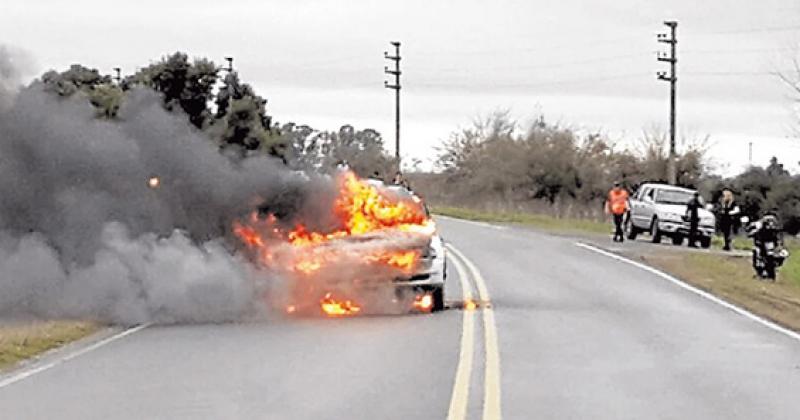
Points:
(672, 78)
(396, 87)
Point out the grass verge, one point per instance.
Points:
(23, 340)
(536, 220)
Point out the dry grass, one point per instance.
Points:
(540, 221)
(23, 340)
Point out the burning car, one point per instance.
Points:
(382, 251)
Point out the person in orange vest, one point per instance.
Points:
(617, 204)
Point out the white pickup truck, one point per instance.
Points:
(660, 209)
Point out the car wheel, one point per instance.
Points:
(438, 299)
(631, 230)
(655, 232)
(677, 240)
(705, 242)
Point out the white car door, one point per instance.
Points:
(640, 210)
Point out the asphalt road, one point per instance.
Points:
(570, 334)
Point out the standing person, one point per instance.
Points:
(399, 179)
(617, 204)
(693, 214)
(728, 211)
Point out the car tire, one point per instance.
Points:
(655, 232)
(705, 242)
(438, 299)
(677, 240)
(631, 230)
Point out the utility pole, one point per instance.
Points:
(672, 78)
(396, 87)
(750, 154)
(118, 75)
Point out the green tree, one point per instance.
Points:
(243, 122)
(76, 78)
(183, 84)
(363, 151)
(105, 96)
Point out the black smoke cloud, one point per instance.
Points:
(82, 234)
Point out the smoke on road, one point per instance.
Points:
(84, 233)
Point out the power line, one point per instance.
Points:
(739, 51)
(550, 47)
(556, 83)
(750, 30)
(729, 73)
(552, 64)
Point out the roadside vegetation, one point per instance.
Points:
(25, 339)
(501, 167)
(540, 221)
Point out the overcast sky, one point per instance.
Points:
(589, 64)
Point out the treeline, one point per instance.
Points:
(218, 103)
(545, 168)
(551, 169)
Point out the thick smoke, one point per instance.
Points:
(82, 233)
(12, 64)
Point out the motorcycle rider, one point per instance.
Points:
(728, 212)
(765, 231)
(618, 205)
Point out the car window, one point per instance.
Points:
(674, 197)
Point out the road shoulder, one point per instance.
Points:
(30, 342)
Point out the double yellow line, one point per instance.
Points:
(491, 384)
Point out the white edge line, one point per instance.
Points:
(741, 311)
(41, 368)
(473, 222)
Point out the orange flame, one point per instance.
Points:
(333, 307)
(361, 209)
(424, 302)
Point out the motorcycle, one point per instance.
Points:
(769, 253)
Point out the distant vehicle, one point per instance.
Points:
(660, 210)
